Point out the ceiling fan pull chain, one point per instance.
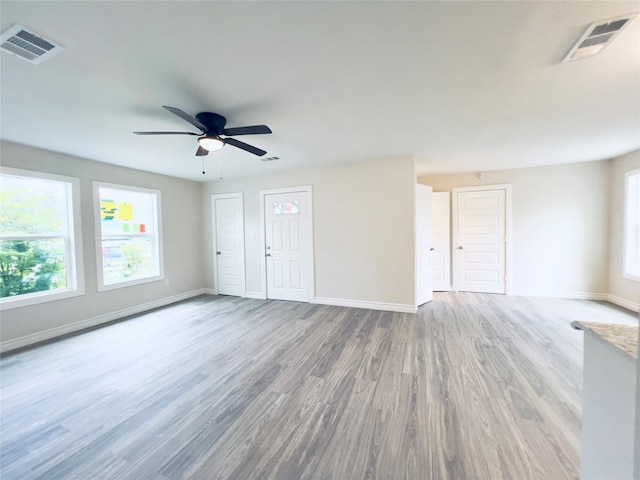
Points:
(203, 165)
(220, 164)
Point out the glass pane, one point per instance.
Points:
(32, 266)
(286, 208)
(32, 206)
(125, 212)
(127, 258)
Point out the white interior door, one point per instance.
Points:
(479, 257)
(424, 288)
(287, 245)
(441, 244)
(229, 243)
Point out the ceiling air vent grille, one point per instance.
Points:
(598, 36)
(27, 45)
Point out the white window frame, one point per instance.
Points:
(73, 244)
(98, 229)
(631, 225)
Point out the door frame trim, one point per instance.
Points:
(214, 240)
(508, 239)
(308, 189)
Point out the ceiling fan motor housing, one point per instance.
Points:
(215, 123)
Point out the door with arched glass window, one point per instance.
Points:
(288, 259)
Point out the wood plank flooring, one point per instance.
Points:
(474, 386)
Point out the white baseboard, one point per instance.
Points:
(547, 294)
(601, 297)
(26, 340)
(444, 289)
(623, 302)
(92, 322)
(389, 307)
(256, 295)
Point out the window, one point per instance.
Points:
(128, 231)
(286, 208)
(40, 238)
(631, 257)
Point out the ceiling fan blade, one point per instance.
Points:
(201, 152)
(187, 117)
(250, 130)
(167, 133)
(244, 146)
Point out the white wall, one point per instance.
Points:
(183, 244)
(620, 287)
(560, 226)
(363, 229)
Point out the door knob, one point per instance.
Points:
(218, 253)
(431, 249)
(460, 247)
(268, 255)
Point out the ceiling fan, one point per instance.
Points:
(212, 126)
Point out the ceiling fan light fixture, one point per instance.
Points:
(211, 144)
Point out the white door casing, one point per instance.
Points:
(424, 288)
(288, 243)
(441, 244)
(480, 238)
(228, 243)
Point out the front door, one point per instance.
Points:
(287, 217)
(229, 244)
(479, 255)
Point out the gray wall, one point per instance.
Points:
(560, 225)
(183, 247)
(567, 232)
(363, 229)
(618, 285)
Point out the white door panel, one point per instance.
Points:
(424, 279)
(229, 244)
(441, 254)
(286, 245)
(479, 240)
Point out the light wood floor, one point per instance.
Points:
(472, 387)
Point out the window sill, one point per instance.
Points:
(8, 303)
(129, 283)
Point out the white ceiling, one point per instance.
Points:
(463, 86)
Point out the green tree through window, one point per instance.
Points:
(28, 267)
(34, 235)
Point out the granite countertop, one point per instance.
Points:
(623, 337)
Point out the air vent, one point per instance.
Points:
(28, 45)
(598, 37)
(270, 159)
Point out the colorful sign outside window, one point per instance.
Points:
(125, 212)
(108, 209)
